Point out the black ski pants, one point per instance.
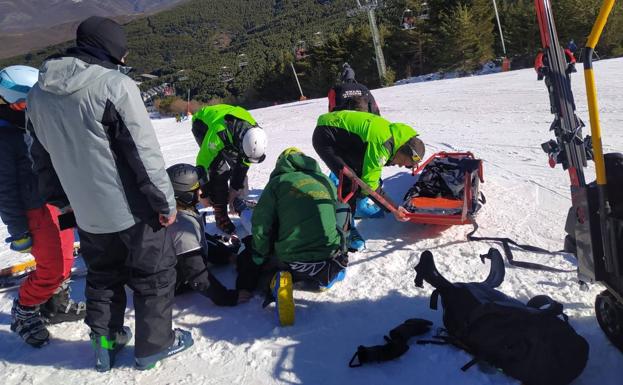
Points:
(143, 258)
(338, 148)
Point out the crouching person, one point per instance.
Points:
(299, 232)
(195, 250)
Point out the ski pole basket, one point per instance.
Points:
(447, 191)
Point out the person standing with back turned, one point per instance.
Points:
(90, 124)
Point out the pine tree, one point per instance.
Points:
(460, 48)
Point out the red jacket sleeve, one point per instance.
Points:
(331, 97)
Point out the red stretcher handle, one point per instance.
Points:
(348, 173)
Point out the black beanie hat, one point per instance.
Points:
(103, 33)
(347, 73)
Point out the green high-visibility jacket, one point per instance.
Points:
(381, 137)
(214, 118)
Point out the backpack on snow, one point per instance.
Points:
(533, 343)
(447, 190)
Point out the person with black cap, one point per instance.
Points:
(347, 95)
(95, 147)
(365, 143)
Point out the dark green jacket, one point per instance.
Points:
(295, 216)
(382, 139)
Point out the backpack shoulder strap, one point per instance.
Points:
(497, 272)
(427, 271)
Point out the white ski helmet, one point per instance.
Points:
(16, 81)
(254, 143)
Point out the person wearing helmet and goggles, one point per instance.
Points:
(230, 141)
(32, 225)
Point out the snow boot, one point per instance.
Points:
(28, 323)
(357, 243)
(183, 340)
(60, 308)
(22, 244)
(282, 287)
(221, 217)
(106, 348)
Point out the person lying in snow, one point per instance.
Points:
(298, 233)
(195, 250)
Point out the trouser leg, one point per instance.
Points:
(152, 278)
(105, 257)
(53, 252)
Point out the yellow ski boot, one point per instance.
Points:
(282, 290)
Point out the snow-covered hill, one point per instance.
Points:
(502, 118)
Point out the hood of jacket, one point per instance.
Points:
(295, 161)
(66, 75)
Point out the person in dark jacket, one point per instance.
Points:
(33, 226)
(96, 150)
(343, 96)
(230, 140)
(299, 233)
(365, 143)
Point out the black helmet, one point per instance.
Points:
(185, 180)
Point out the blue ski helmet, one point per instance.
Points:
(16, 81)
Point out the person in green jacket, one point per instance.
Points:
(230, 140)
(299, 232)
(366, 143)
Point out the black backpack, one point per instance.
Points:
(533, 343)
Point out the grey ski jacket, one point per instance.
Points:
(90, 124)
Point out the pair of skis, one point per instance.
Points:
(12, 277)
(570, 148)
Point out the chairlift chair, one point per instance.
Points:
(300, 50)
(242, 61)
(318, 39)
(225, 75)
(424, 13)
(407, 21)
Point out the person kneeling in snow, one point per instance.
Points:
(366, 143)
(298, 233)
(195, 250)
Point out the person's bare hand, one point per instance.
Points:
(244, 296)
(401, 214)
(205, 202)
(233, 194)
(167, 221)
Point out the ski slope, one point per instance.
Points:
(502, 118)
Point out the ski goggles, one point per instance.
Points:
(10, 85)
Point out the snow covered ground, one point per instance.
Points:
(502, 118)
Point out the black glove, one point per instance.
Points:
(410, 328)
(571, 68)
(379, 353)
(219, 294)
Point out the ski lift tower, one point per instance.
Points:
(369, 6)
(506, 64)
